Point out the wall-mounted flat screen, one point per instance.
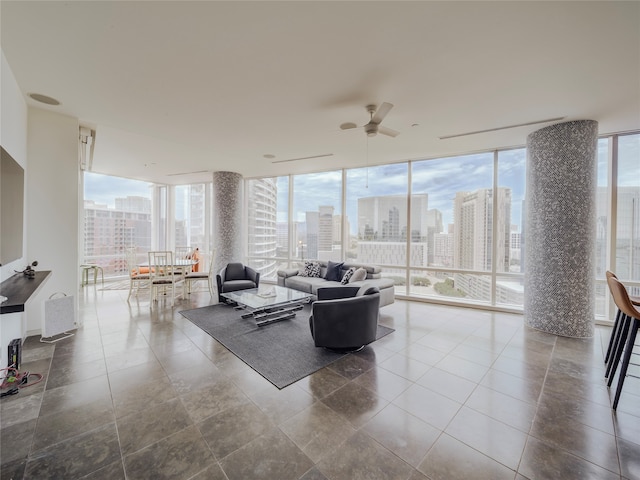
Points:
(11, 208)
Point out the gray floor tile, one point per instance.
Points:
(142, 391)
(77, 456)
(402, 433)
(179, 457)
(450, 459)
(360, 457)
(270, 456)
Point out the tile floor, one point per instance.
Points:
(453, 393)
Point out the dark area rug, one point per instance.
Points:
(282, 352)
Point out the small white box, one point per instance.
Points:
(59, 316)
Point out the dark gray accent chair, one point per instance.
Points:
(236, 276)
(345, 318)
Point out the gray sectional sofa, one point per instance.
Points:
(291, 278)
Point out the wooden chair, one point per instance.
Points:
(163, 276)
(183, 253)
(138, 277)
(199, 275)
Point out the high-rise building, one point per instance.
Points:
(196, 217)
(473, 227)
(313, 233)
(382, 229)
(109, 231)
(443, 248)
(325, 228)
(384, 218)
(133, 203)
(434, 227)
(261, 225)
(473, 238)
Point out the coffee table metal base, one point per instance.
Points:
(274, 305)
(271, 315)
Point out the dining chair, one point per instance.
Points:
(620, 328)
(183, 253)
(163, 276)
(138, 276)
(199, 275)
(628, 336)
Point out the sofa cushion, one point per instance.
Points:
(359, 275)
(300, 283)
(235, 285)
(334, 271)
(311, 269)
(347, 276)
(234, 271)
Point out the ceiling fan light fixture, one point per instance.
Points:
(371, 129)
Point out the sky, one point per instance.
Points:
(440, 179)
(104, 189)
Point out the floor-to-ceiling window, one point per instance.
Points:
(455, 197)
(317, 216)
(192, 222)
(603, 194)
(449, 229)
(376, 220)
(268, 225)
(509, 280)
(452, 229)
(627, 245)
(117, 215)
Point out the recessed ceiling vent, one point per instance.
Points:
(44, 99)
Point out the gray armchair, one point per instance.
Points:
(345, 318)
(236, 276)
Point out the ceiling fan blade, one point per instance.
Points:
(388, 131)
(381, 112)
(348, 125)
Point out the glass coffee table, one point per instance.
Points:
(269, 304)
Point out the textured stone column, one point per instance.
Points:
(560, 229)
(227, 218)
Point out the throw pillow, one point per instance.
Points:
(311, 269)
(348, 275)
(359, 275)
(333, 271)
(195, 256)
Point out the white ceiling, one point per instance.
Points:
(173, 87)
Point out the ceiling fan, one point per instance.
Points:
(376, 116)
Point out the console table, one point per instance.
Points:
(18, 289)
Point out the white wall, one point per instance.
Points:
(13, 137)
(52, 193)
(45, 144)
